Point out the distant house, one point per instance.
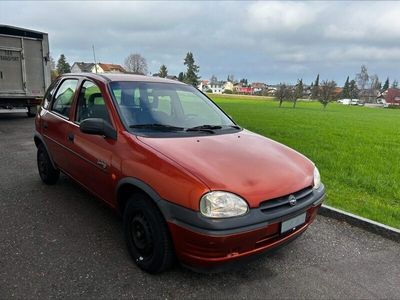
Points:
(338, 91)
(248, 90)
(108, 68)
(82, 67)
(392, 96)
(228, 86)
(173, 77)
(258, 87)
(217, 87)
(203, 85)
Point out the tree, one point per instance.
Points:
(62, 65)
(327, 92)
(53, 70)
(297, 92)
(395, 84)
(362, 79)
(231, 78)
(136, 64)
(346, 89)
(281, 93)
(213, 79)
(375, 85)
(191, 75)
(315, 88)
(386, 85)
(244, 81)
(353, 90)
(181, 77)
(163, 71)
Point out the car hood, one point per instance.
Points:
(247, 164)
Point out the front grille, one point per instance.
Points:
(277, 204)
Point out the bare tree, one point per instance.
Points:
(213, 79)
(297, 92)
(375, 86)
(281, 93)
(136, 64)
(362, 79)
(327, 92)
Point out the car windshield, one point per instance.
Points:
(167, 107)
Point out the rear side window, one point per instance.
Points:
(64, 97)
(49, 94)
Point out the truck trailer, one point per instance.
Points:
(24, 68)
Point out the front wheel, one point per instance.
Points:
(47, 172)
(147, 235)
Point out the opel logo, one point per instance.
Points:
(292, 200)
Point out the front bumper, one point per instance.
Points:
(208, 244)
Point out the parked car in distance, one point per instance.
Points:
(382, 102)
(344, 101)
(355, 102)
(188, 181)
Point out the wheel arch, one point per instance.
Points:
(129, 185)
(38, 139)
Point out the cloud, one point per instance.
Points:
(263, 41)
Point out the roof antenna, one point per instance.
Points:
(94, 57)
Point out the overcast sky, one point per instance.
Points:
(263, 41)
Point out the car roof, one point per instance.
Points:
(109, 77)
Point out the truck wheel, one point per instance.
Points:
(147, 235)
(32, 110)
(47, 172)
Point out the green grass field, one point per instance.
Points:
(357, 149)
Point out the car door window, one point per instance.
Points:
(91, 103)
(64, 97)
(49, 94)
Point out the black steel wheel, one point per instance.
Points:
(47, 172)
(147, 236)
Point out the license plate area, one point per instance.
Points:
(293, 222)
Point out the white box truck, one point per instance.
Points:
(24, 67)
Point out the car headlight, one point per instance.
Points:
(222, 205)
(317, 179)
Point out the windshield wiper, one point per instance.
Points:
(156, 126)
(205, 128)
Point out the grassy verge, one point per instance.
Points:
(356, 149)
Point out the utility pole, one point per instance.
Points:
(94, 57)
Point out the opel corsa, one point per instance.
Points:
(188, 181)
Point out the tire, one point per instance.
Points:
(32, 110)
(47, 172)
(147, 235)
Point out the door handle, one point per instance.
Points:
(70, 137)
(45, 125)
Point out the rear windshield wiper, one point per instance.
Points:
(205, 128)
(156, 126)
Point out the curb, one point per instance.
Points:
(366, 224)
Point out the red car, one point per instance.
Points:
(189, 182)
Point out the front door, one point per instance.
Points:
(93, 163)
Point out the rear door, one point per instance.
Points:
(33, 52)
(56, 123)
(11, 68)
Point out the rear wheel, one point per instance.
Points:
(47, 172)
(147, 235)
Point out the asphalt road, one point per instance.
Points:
(59, 241)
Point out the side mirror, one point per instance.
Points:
(98, 126)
